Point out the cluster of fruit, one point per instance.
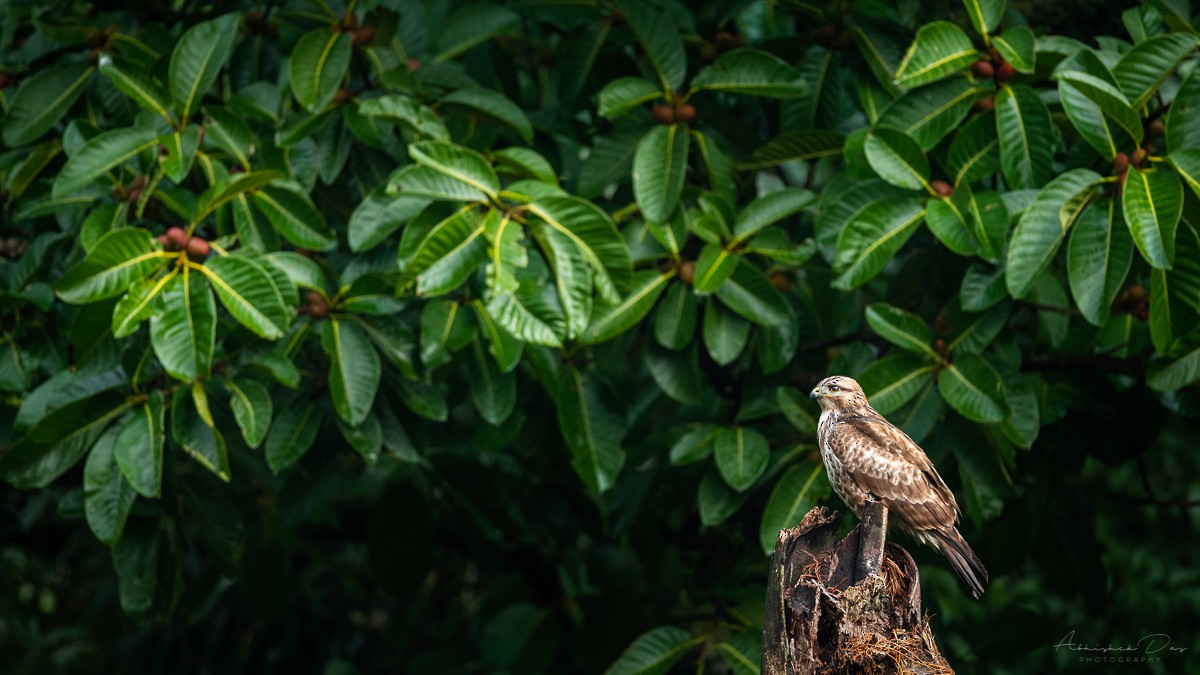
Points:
(177, 239)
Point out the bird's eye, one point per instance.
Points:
(833, 387)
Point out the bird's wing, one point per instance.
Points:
(885, 462)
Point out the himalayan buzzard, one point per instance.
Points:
(868, 459)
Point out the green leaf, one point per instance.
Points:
(354, 370)
(492, 105)
(121, 258)
(107, 496)
(1180, 373)
(931, 112)
(200, 440)
(659, 168)
(1044, 225)
(293, 432)
(223, 193)
(794, 405)
(985, 14)
(469, 26)
(42, 100)
(526, 162)
(572, 277)
(1153, 204)
(445, 328)
(655, 651)
(716, 500)
(197, 60)
(100, 155)
(145, 92)
(894, 380)
(1099, 256)
(531, 314)
(897, 158)
(660, 38)
(59, 440)
(624, 94)
(1026, 134)
(184, 333)
(753, 72)
(675, 318)
(181, 152)
(903, 329)
(1187, 163)
(446, 255)
(695, 445)
(748, 292)
(139, 447)
(1182, 134)
(609, 321)
(870, 241)
(494, 393)
(741, 455)
(249, 294)
(794, 495)
(951, 221)
(1100, 112)
(318, 64)
(457, 163)
(593, 231)
(591, 429)
(1016, 45)
(1143, 69)
(940, 49)
(424, 399)
(794, 145)
(742, 651)
(725, 333)
(975, 151)
(974, 389)
(770, 209)
(251, 405)
(407, 111)
(713, 267)
(294, 216)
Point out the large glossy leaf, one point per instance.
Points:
(1180, 373)
(609, 321)
(492, 105)
(101, 154)
(713, 267)
(42, 100)
(457, 163)
(572, 278)
(147, 93)
(59, 439)
(250, 295)
(974, 389)
(1153, 204)
(446, 327)
(294, 216)
(1026, 134)
(1187, 164)
(894, 380)
(354, 370)
(593, 231)
(181, 149)
(654, 652)
(139, 447)
(897, 158)
(470, 26)
(1098, 259)
(903, 329)
(931, 112)
(741, 455)
(975, 151)
(725, 333)
(317, 66)
(445, 254)
(748, 293)
(951, 220)
(868, 243)
(660, 38)
(591, 429)
(1044, 225)
(1182, 132)
(494, 393)
(985, 14)
(1174, 293)
(659, 168)
(797, 491)
(1100, 112)
(1017, 46)
(293, 432)
(120, 258)
(197, 60)
(940, 50)
(675, 318)
(753, 72)
(107, 496)
(626, 93)
(251, 403)
(768, 210)
(794, 145)
(184, 333)
(407, 111)
(1143, 69)
(202, 441)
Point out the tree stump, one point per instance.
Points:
(845, 607)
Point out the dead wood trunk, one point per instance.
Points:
(845, 607)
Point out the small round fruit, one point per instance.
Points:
(164, 241)
(982, 69)
(663, 114)
(985, 104)
(363, 36)
(1005, 72)
(178, 239)
(781, 282)
(1138, 157)
(687, 272)
(413, 65)
(313, 297)
(341, 96)
(1157, 128)
(1120, 164)
(318, 310)
(197, 248)
(942, 188)
(685, 113)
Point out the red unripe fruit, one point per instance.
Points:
(663, 114)
(1157, 128)
(197, 248)
(685, 113)
(363, 36)
(942, 188)
(982, 69)
(313, 297)
(1139, 156)
(1005, 72)
(687, 272)
(316, 306)
(985, 104)
(163, 241)
(177, 238)
(1120, 164)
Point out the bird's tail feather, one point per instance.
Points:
(966, 564)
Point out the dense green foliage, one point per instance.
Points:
(414, 335)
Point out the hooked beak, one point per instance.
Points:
(815, 393)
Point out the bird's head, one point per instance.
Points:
(838, 392)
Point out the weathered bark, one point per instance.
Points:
(845, 607)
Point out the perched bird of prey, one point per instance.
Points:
(868, 459)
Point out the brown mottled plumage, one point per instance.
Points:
(868, 459)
